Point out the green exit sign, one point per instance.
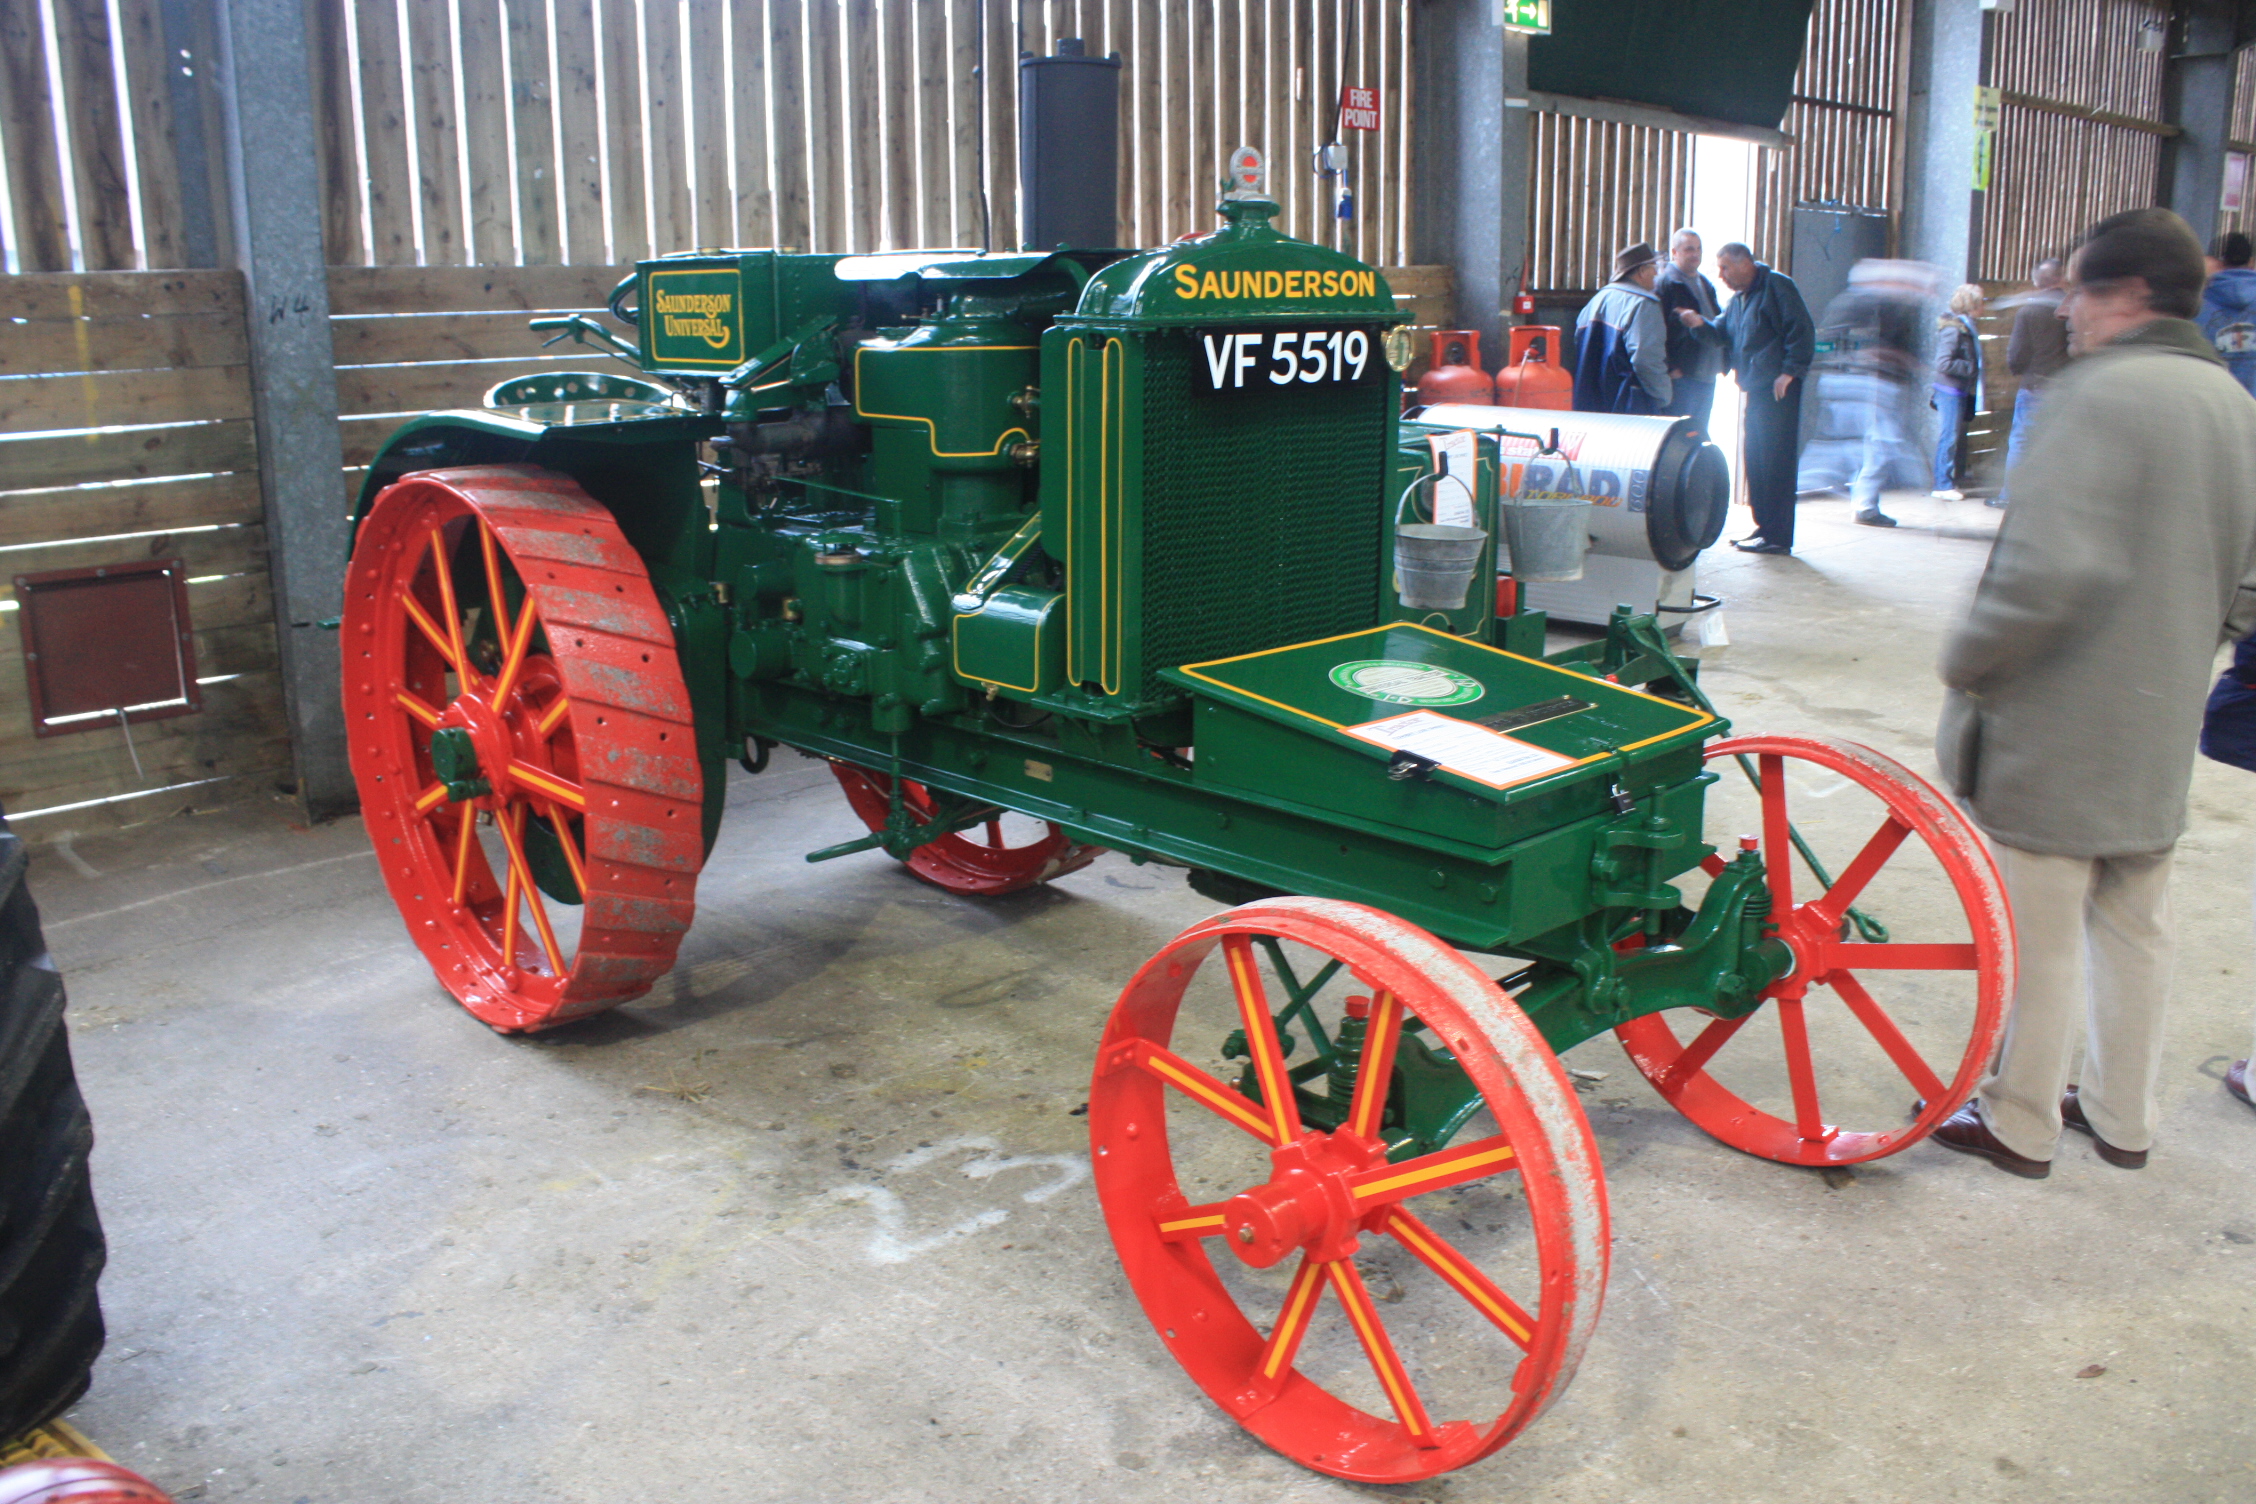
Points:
(1526, 15)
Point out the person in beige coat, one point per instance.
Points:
(2077, 681)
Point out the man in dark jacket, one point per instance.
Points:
(1694, 364)
(2228, 306)
(1621, 341)
(1769, 339)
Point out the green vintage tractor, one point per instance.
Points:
(1055, 553)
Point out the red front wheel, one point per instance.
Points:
(1370, 1307)
(1903, 964)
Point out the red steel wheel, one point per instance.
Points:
(514, 706)
(1181, 1157)
(1953, 979)
(76, 1480)
(981, 862)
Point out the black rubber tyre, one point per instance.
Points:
(51, 1249)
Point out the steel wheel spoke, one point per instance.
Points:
(1385, 1362)
(1292, 1323)
(1459, 1273)
(497, 603)
(1202, 1089)
(1778, 850)
(431, 798)
(514, 660)
(1883, 1029)
(452, 612)
(1437, 1171)
(429, 628)
(511, 823)
(416, 708)
(1375, 1073)
(1836, 899)
(1700, 1051)
(1261, 1040)
(561, 790)
(509, 915)
(465, 838)
(553, 717)
(1186, 1225)
(1808, 1119)
(1898, 957)
(571, 847)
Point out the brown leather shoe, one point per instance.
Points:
(1965, 1131)
(2236, 1081)
(2072, 1113)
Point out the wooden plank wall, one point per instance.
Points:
(640, 126)
(1596, 186)
(2059, 171)
(410, 339)
(1843, 119)
(125, 434)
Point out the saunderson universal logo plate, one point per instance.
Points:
(1403, 683)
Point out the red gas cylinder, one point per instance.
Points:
(1533, 376)
(1456, 374)
(77, 1480)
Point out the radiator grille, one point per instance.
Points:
(1262, 512)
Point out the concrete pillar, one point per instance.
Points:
(274, 191)
(1471, 162)
(1942, 213)
(2197, 97)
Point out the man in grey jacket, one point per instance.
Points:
(1621, 343)
(2077, 682)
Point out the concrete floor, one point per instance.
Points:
(813, 1223)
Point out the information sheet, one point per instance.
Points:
(1463, 748)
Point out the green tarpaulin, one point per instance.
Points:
(1723, 59)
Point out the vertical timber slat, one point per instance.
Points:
(579, 177)
(437, 145)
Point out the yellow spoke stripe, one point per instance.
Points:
(1261, 1037)
(1376, 1074)
(1203, 1088)
(553, 717)
(549, 784)
(417, 708)
(1381, 1352)
(430, 799)
(1197, 1225)
(1292, 1321)
(1461, 1276)
(422, 618)
(1438, 1170)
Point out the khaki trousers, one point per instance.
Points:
(2096, 950)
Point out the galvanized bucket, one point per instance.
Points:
(1434, 564)
(1547, 536)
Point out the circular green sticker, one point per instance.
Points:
(1401, 683)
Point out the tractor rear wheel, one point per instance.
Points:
(1871, 1014)
(985, 861)
(519, 726)
(1236, 1216)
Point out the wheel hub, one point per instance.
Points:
(1306, 1203)
(472, 748)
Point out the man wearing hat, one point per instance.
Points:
(1621, 341)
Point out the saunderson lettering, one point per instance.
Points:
(1247, 284)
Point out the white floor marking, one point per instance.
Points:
(890, 1242)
